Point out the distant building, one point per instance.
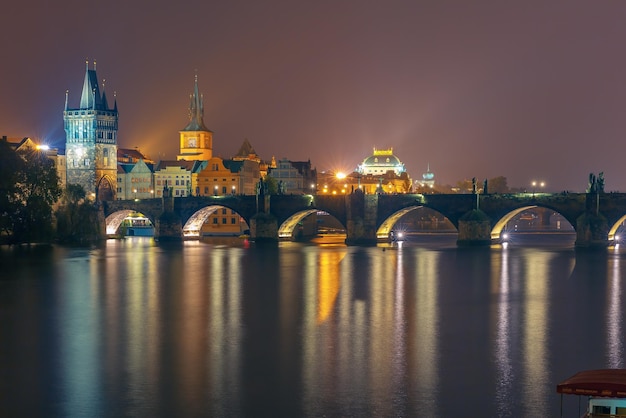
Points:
(135, 180)
(247, 152)
(381, 162)
(223, 177)
(382, 172)
(131, 156)
(196, 140)
(91, 140)
(428, 179)
(294, 177)
(179, 177)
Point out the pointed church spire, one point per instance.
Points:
(196, 110)
(67, 92)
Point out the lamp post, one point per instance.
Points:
(215, 190)
(135, 192)
(232, 189)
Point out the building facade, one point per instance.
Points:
(91, 140)
(294, 177)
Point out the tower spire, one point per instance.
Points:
(196, 109)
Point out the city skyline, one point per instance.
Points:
(529, 92)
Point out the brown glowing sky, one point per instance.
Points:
(531, 90)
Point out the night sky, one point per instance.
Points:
(529, 90)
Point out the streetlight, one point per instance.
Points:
(312, 188)
(215, 190)
(535, 184)
(233, 189)
(135, 192)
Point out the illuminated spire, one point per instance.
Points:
(196, 110)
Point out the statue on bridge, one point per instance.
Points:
(596, 184)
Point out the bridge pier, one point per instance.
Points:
(264, 228)
(362, 212)
(474, 229)
(169, 226)
(592, 231)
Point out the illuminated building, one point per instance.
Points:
(196, 140)
(382, 172)
(91, 140)
(428, 179)
(178, 177)
(135, 180)
(381, 162)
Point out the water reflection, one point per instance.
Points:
(615, 334)
(203, 329)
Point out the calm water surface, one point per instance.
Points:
(423, 329)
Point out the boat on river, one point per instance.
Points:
(605, 389)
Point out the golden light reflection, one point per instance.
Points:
(328, 283)
(425, 334)
(536, 328)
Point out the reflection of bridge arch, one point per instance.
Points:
(194, 224)
(114, 220)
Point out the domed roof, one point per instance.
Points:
(381, 161)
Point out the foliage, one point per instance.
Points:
(32, 187)
(498, 185)
(271, 185)
(77, 218)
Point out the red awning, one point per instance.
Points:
(609, 383)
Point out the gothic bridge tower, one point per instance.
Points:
(91, 140)
(196, 141)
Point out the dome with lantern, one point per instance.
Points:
(381, 162)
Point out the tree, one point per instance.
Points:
(10, 166)
(498, 185)
(30, 203)
(77, 218)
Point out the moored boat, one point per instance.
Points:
(605, 389)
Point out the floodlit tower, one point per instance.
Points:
(91, 140)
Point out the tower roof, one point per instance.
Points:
(91, 98)
(246, 149)
(196, 110)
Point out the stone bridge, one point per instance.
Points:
(478, 218)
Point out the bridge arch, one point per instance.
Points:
(193, 225)
(388, 224)
(615, 228)
(114, 220)
(499, 226)
(289, 225)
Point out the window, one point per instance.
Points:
(223, 189)
(233, 221)
(206, 190)
(215, 221)
(224, 221)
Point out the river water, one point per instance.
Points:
(227, 328)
